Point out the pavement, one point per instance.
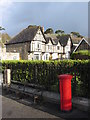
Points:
(14, 107)
(78, 102)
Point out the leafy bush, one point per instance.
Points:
(82, 54)
(45, 73)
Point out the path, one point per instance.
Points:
(14, 109)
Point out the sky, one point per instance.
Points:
(67, 16)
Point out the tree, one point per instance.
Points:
(62, 31)
(59, 31)
(58, 36)
(49, 30)
(4, 38)
(1, 28)
(76, 34)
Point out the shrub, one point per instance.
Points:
(82, 54)
(45, 73)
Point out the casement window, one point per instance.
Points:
(36, 56)
(67, 48)
(46, 56)
(49, 47)
(58, 48)
(15, 58)
(38, 46)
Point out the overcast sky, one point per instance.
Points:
(68, 16)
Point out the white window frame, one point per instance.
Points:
(14, 57)
(35, 56)
(49, 47)
(38, 45)
(46, 56)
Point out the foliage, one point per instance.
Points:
(63, 34)
(76, 34)
(4, 38)
(84, 52)
(59, 31)
(49, 30)
(81, 54)
(45, 73)
(1, 28)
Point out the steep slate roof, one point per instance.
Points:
(29, 33)
(76, 40)
(53, 41)
(87, 39)
(64, 39)
(25, 35)
(51, 37)
(47, 39)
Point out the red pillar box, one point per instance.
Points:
(65, 92)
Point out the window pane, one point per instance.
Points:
(36, 57)
(46, 56)
(38, 45)
(49, 47)
(57, 47)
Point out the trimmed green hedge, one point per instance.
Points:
(82, 54)
(45, 73)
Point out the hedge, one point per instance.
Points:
(45, 73)
(81, 54)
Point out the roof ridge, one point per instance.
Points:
(26, 35)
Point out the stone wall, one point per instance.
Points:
(21, 48)
(8, 55)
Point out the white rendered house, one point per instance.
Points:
(32, 44)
